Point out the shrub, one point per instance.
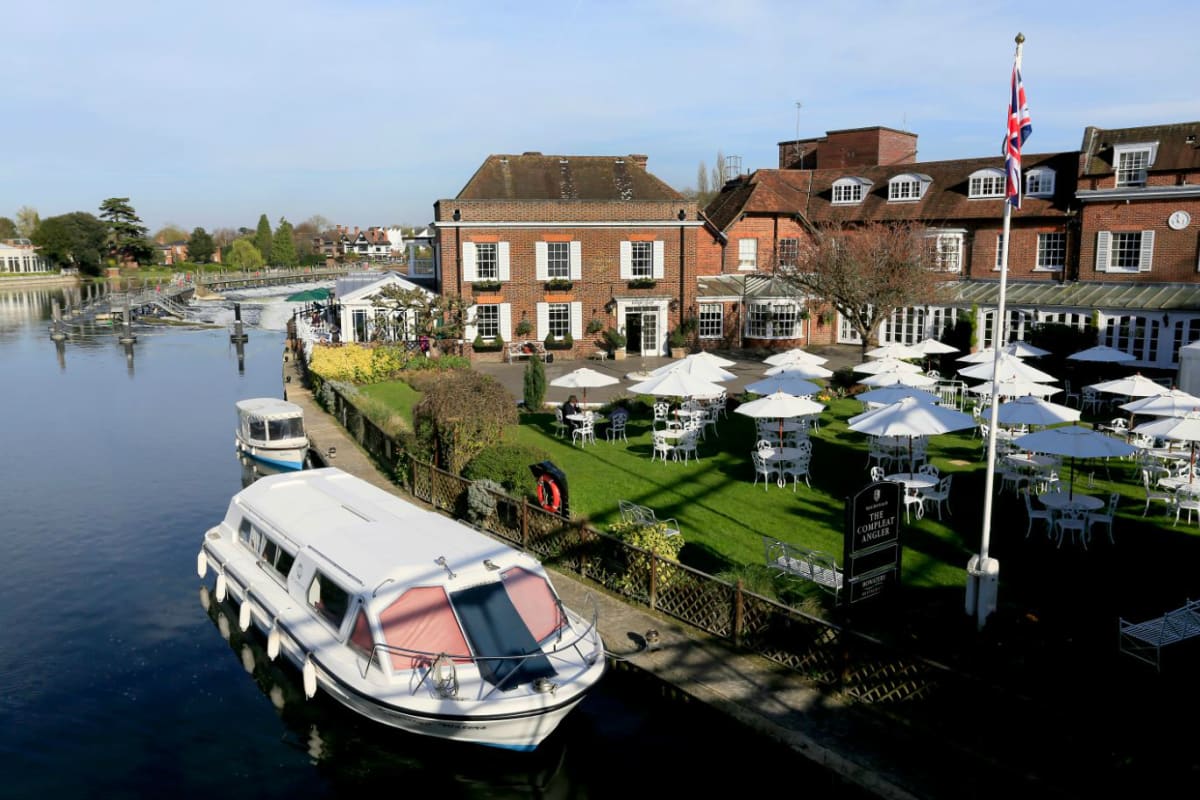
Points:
(595, 326)
(647, 537)
(677, 338)
(481, 345)
(565, 343)
(463, 412)
(524, 328)
(508, 465)
(535, 384)
(614, 337)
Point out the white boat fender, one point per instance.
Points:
(223, 626)
(310, 677)
(221, 586)
(244, 612)
(201, 564)
(273, 640)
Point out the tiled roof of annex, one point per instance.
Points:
(533, 176)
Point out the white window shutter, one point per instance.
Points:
(1147, 251)
(543, 321)
(576, 261)
(540, 271)
(659, 257)
(576, 320)
(469, 329)
(468, 255)
(626, 260)
(502, 260)
(1103, 238)
(506, 321)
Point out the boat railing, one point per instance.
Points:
(441, 668)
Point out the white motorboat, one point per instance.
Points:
(272, 431)
(402, 614)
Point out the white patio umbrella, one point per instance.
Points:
(1074, 441)
(784, 382)
(793, 355)
(1023, 350)
(676, 383)
(978, 357)
(885, 365)
(1009, 368)
(886, 395)
(910, 417)
(1102, 353)
(1014, 388)
(800, 369)
(932, 347)
(780, 405)
(898, 378)
(583, 378)
(895, 351)
(1030, 410)
(1180, 429)
(720, 361)
(1172, 403)
(701, 368)
(1136, 385)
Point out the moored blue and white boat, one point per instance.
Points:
(402, 614)
(272, 431)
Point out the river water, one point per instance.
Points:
(120, 677)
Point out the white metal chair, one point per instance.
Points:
(912, 498)
(1074, 521)
(616, 426)
(687, 445)
(876, 474)
(796, 469)
(1187, 499)
(662, 413)
(1031, 513)
(560, 425)
(939, 495)
(1090, 400)
(1152, 494)
(764, 468)
(586, 432)
(1105, 517)
(663, 446)
(929, 469)
(1068, 396)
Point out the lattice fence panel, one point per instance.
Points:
(695, 598)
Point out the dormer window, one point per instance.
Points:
(1039, 182)
(850, 191)
(1130, 161)
(986, 183)
(909, 187)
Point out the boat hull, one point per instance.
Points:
(280, 457)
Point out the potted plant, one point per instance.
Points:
(678, 342)
(595, 326)
(643, 283)
(524, 328)
(565, 343)
(615, 339)
(482, 345)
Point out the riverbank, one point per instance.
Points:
(8, 281)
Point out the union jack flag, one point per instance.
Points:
(1019, 128)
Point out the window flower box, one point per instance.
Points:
(483, 287)
(643, 283)
(565, 343)
(559, 285)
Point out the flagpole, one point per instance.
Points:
(983, 572)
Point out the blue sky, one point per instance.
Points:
(367, 111)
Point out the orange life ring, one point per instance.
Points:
(548, 494)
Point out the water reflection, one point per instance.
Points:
(253, 469)
(358, 755)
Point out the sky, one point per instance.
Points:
(366, 112)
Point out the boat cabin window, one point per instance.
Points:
(275, 557)
(328, 599)
(289, 428)
(258, 429)
(361, 640)
(534, 600)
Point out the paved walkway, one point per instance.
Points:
(881, 756)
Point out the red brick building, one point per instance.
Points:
(555, 249)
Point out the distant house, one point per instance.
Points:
(170, 253)
(21, 256)
(361, 320)
(564, 246)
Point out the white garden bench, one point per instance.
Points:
(800, 562)
(1145, 640)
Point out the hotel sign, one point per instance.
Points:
(871, 549)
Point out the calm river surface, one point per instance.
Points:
(117, 681)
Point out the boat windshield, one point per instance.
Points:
(289, 428)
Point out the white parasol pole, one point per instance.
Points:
(983, 573)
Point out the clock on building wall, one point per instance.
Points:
(1179, 220)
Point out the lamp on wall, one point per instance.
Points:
(457, 215)
(611, 305)
(674, 304)
(682, 214)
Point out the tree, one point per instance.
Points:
(8, 229)
(461, 414)
(170, 233)
(27, 222)
(244, 256)
(535, 384)
(127, 240)
(283, 248)
(200, 246)
(73, 240)
(263, 239)
(867, 272)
